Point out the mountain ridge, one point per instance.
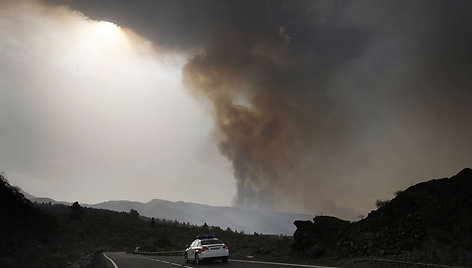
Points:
(240, 219)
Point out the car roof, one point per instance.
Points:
(205, 236)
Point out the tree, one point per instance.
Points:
(153, 222)
(164, 242)
(381, 203)
(76, 210)
(134, 213)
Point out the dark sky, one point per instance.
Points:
(320, 106)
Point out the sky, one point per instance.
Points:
(318, 107)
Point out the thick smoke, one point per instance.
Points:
(276, 105)
(257, 96)
(251, 124)
(322, 106)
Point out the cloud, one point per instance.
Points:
(93, 111)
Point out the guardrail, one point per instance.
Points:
(161, 253)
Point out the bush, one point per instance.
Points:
(381, 203)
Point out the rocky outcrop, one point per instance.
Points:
(315, 237)
(429, 221)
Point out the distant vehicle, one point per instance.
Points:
(206, 247)
(138, 249)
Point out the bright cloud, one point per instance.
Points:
(90, 111)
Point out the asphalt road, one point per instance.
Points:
(124, 260)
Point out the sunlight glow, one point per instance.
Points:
(106, 26)
(108, 32)
(120, 104)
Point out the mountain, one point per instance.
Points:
(42, 200)
(249, 221)
(430, 221)
(26, 195)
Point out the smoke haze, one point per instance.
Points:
(320, 106)
(91, 111)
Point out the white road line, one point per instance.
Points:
(283, 264)
(112, 262)
(257, 262)
(175, 264)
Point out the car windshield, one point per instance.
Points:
(211, 242)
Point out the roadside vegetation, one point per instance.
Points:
(55, 235)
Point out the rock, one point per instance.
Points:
(316, 236)
(434, 214)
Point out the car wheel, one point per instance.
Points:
(186, 257)
(225, 259)
(197, 259)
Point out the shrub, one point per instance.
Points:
(381, 203)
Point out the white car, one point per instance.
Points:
(206, 247)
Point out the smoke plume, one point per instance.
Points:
(257, 96)
(279, 106)
(322, 106)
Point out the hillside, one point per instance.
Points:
(58, 235)
(27, 233)
(429, 222)
(249, 221)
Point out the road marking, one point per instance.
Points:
(112, 262)
(257, 262)
(283, 264)
(166, 262)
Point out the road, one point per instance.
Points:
(124, 260)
